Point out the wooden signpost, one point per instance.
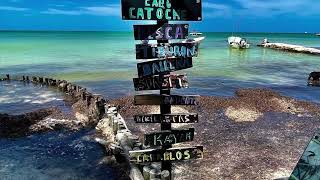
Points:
(165, 32)
(154, 74)
(167, 118)
(163, 82)
(172, 154)
(151, 51)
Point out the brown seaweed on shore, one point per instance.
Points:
(267, 147)
(25, 124)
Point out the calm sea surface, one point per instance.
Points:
(105, 63)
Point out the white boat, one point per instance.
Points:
(318, 34)
(194, 40)
(238, 42)
(194, 37)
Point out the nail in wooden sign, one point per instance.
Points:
(172, 154)
(157, 83)
(152, 51)
(160, 10)
(167, 118)
(165, 100)
(168, 137)
(157, 67)
(165, 32)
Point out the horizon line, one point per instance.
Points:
(7, 30)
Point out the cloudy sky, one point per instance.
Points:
(218, 15)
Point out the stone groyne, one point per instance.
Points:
(91, 110)
(291, 48)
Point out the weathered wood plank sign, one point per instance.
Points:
(151, 51)
(165, 32)
(157, 82)
(168, 137)
(165, 100)
(167, 118)
(172, 154)
(162, 10)
(157, 67)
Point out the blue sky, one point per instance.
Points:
(218, 15)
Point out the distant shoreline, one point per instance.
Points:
(102, 31)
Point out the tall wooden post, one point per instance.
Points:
(165, 109)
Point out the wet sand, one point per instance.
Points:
(258, 134)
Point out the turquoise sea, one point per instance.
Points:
(105, 63)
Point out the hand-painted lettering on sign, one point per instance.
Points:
(173, 154)
(157, 67)
(170, 10)
(165, 32)
(168, 137)
(158, 82)
(167, 118)
(165, 100)
(151, 51)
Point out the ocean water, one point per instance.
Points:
(105, 62)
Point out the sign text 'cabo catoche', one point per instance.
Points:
(157, 67)
(164, 32)
(165, 138)
(151, 51)
(165, 100)
(170, 10)
(167, 118)
(173, 154)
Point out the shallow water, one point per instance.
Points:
(53, 155)
(18, 98)
(105, 62)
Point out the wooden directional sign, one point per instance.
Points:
(167, 118)
(165, 100)
(151, 51)
(157, 67)
(165, 32)
(165, 138)
(157, 83)
(172, 154)
(170, 10)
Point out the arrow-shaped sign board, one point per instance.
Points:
(167, 118)
(165, 138)
(173, 154)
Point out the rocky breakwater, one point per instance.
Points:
(88, 109)
(292, 48)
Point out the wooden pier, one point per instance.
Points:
(291, 48)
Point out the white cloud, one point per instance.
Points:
(110, 10)
(216, 10)
(262, 8)
(61, 12)
(11, 8)
(279, 7)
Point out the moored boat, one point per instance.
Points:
(238, 42)
(195, 37)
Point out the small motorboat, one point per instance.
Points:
(194, 37)
(318, 34)
(238, 43)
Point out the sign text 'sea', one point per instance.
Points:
(162, 9)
